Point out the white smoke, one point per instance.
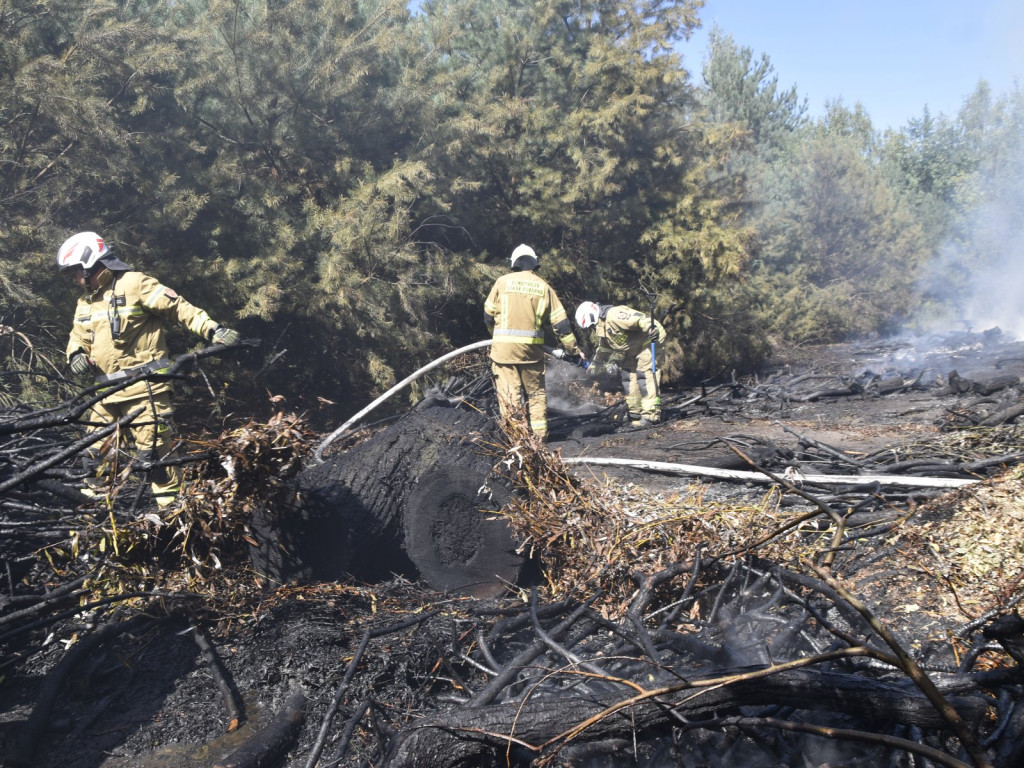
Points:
(982, 281)
(996, 296)
(559, 378)
(976, 281)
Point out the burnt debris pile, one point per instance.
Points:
(667, 617)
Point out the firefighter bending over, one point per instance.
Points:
(624, 339)
(118, 331)
(518, 309)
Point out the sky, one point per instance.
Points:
(894, 57)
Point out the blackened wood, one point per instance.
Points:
(21, 748)
(1008, 631)
(269, 745)
(472, 737)
(1003, 416)
(228, 691)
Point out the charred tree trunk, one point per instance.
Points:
(416, 500)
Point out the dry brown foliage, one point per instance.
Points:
(593, 535)
(199, 544)
(965, 549)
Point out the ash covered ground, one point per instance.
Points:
(345, 673)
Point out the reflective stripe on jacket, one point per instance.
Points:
(122, 325)
(518, 308)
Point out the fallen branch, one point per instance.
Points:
(229, 693)
(840, 734)
(542, 725)
(272, 742)
(914, 671)
(22, 747)
(75, 448)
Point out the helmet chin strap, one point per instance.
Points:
(91, 272)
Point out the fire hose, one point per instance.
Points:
(344, 428)
(318, 455)
(664, 467)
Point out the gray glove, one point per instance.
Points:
(81, 363)
(558, 354)
(652, 334)
(611, 369)
(222, 335)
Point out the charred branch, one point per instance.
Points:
(271, 743)
(705, 649)
(21, 749)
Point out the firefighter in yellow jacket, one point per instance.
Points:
(624, 340)
(518, 309)
(118, 331)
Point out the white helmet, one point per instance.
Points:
(523, 250)
(82, 250)
(587, 314)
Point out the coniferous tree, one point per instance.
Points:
(967, 172)
(839, 248)
(570, 125)
(77, 78)
(738, 89)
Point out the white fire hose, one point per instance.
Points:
(657, 466)
(318, 455)
(907, 481)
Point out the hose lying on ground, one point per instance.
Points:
(746, 476)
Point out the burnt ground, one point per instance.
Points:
(369, 659)
(813, 393)
(821, 409)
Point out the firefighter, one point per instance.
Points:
(118, 331)
(624, 341)
(518, 309)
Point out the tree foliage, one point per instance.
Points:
(344, 178)
(839, 249)
(745, 92)
(967, 174)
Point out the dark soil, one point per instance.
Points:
(773, 407)
(149, 697)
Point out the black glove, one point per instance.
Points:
(222, 335)
(81, 363)
(652, 333)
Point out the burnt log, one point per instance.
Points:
(479, 736)
(888, 386)
(266, 747)
(997, 384)
(418, 500)
(1003, 416)
(852, 390)
(958, 385)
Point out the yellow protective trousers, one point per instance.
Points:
(519, 383)
(642, 386)
(152, 432)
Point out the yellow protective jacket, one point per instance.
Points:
(122, 325)
(518, 308)
(622, 335)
